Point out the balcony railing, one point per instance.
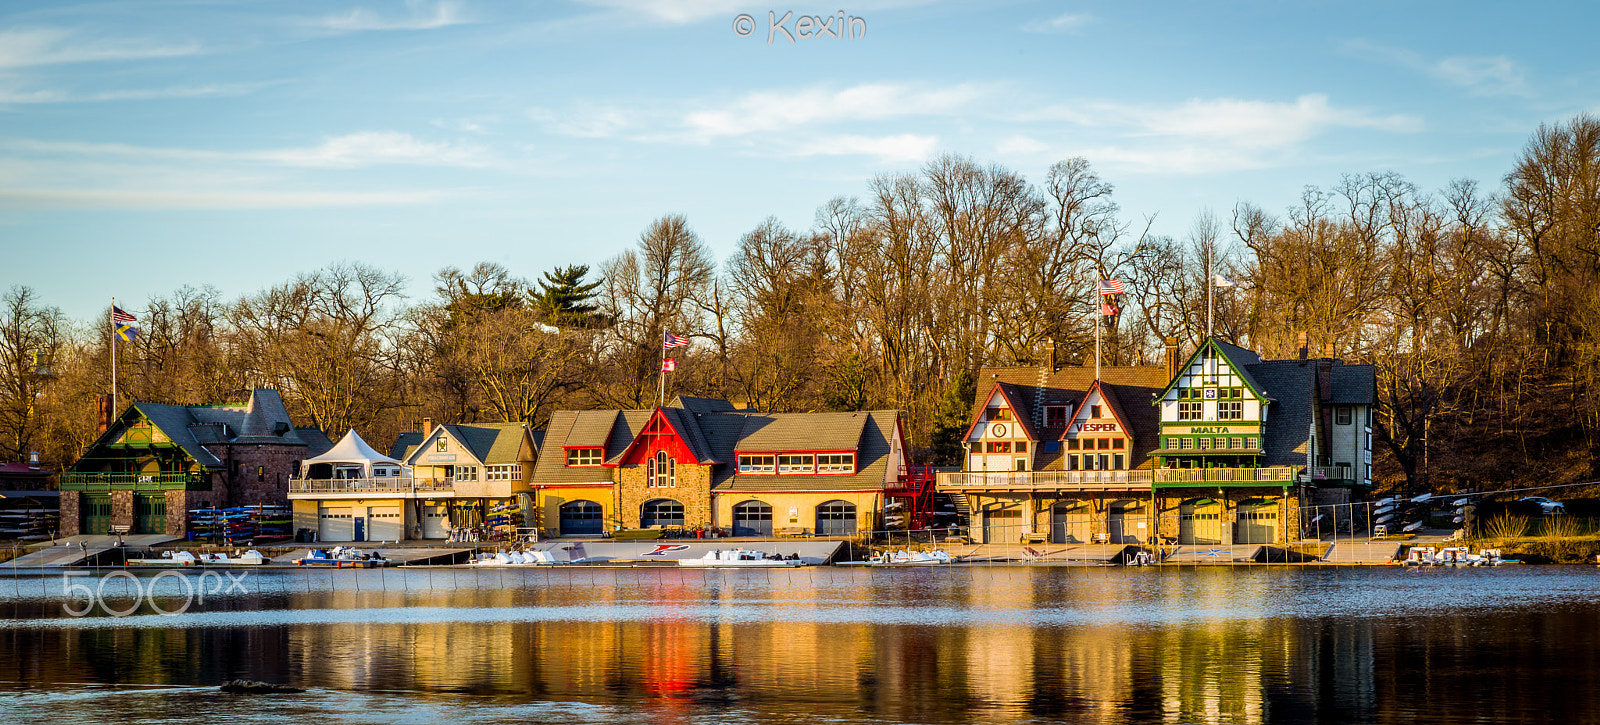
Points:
(1043, 479)
(1332, 473)
(77, 481)
(369, 485)
(1181, 476)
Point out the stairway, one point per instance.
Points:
(1038, 397)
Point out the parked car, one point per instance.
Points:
(1542, 504)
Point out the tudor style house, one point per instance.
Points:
(465, 477)
(702, 463)
(1217, 449)
(155, 462)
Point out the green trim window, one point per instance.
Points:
(1187, 444)
(1250, 443)
(1172, 444)
(1230, 410)
(1205, 444)
(1190, 411)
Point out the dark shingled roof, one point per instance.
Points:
(404, 444)
(317, 442)
(1354, 385)
(262, 420)
(1131, 386)
(490, 443)
(1287, 432)
(875, 429)
(702, 405)
(552, 468)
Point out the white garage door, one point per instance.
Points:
(435, 522)
(336, 524)
(385, 523)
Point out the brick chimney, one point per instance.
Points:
(427, 427)
(1172, 358)
(1303, 348)
(1327, 350)
(1050, 353)
(103, 413)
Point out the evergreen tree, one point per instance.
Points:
(563, 297)
(955, 415)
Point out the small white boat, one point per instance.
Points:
(536, 557)
(1413, 526)
(743, 558)
(343, 557)
(1386, 501)
(1384, 519)
(937, 556)
(248, 558)
(1422, 498)
(168, 558)
(1461, 502)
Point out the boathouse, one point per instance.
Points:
(1219, 448)
(153, 463)
(702, 463)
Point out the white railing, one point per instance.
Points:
(1043, 479)
(369, 485)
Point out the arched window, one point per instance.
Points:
(836, 518)
(661, 512)
(580, 518)
(661, 471)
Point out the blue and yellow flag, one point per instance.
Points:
(126, 331)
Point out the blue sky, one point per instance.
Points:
(147, 145)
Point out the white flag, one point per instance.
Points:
(1223, 280)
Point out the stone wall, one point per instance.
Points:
(121, 509)
(242, 485)
(693, 491)
(71, 513)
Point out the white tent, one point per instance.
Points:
(353, 458)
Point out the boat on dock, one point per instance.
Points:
(743, 558)
(936, 556)
(248, 558)
(167, 558)
(343, 557)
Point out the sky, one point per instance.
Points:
(149, 145)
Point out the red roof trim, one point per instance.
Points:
(1127, 430)
(1012, 404)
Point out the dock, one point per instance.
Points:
(80, 550)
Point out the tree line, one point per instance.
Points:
(1478, 307)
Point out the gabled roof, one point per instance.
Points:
(1016, 400)
(1354, 385)
(702, 405)
(585, 428)
(262, 420)
(1070, 385)
(1238, 358)
(1109, 396)
(552, 468)
(490, 443)
(629, 424)
(681, 423)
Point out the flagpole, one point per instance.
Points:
(1211, 287)
(662, 400)
(114, 409)
(1099, 300)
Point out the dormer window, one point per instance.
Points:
(1055, 416)
(584, 456)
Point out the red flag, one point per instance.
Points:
(669, 364)
(1108, 310)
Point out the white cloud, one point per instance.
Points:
(421, 16)
(1494, 75)
(1059, 24)
(1199, 135)
(899, 147)
(676, 12)
(764, 111)
(585, 122)
(23, 47)
(13, 96)
(355, 150)
(188, 199)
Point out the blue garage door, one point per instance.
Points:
(580, 518)
(662, 512)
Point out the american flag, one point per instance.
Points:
(117, 315)
(669, 364)
(1111, 287)
(673, 341)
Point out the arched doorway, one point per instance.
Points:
(582, 518)
(836, 518)
(1200, 521)
(1258, 522)
(752, 518)
(661, 512)
(1122, 521)
(1069, 523)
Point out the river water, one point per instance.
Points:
(815, 645)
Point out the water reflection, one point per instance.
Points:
(959, 645)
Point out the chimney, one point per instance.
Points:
(1327, 350)
(1050, 353)
(33, 460)
(1303, 349)
(103, 413)
(1172, 358)
(427, 427)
